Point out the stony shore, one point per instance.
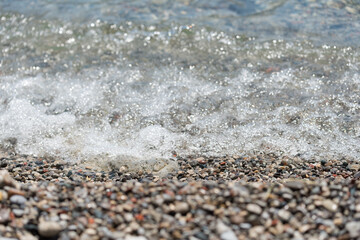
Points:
(231, 197)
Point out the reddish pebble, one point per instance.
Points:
(12, 216)
(274, 222)
(139, 217)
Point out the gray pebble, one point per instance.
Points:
(225, 232)
(245, 226)
(17, 199)
(18, 212)
(129, 237)
(353, 228)
(228, 235)
(105, 232)
(4, 215)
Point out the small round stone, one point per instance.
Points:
(18, 212)
(181, 207)
(330, 205)
(49, 228)
(18, 199)
(254, 208)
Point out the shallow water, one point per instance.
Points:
(104, 80)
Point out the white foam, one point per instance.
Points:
(117, 114)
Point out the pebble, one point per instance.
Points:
(14, 191)
(209, 207)
(284, 215)
(18, 199)
(49, 228)
(228, 235)
(353, 228)
(294, 185)
(256, 232)
(90, 231)
(181, 207)
(236, 219)
(253, 208)
(330, 205)
(7, 180)
(18, 212)
(4, 215)
(129, 237)
(3, 195)
(245, 225)
(225, 232)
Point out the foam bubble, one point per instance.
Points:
(85, 118)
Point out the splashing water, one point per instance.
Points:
(111, 91)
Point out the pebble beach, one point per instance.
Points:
(195, 120)
(230, 197)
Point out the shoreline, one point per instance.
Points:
(263, 197)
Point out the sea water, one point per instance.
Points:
(131, 81)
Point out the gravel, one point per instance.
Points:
(230, 197)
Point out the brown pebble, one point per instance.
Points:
(236, 219)
(14, 191)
